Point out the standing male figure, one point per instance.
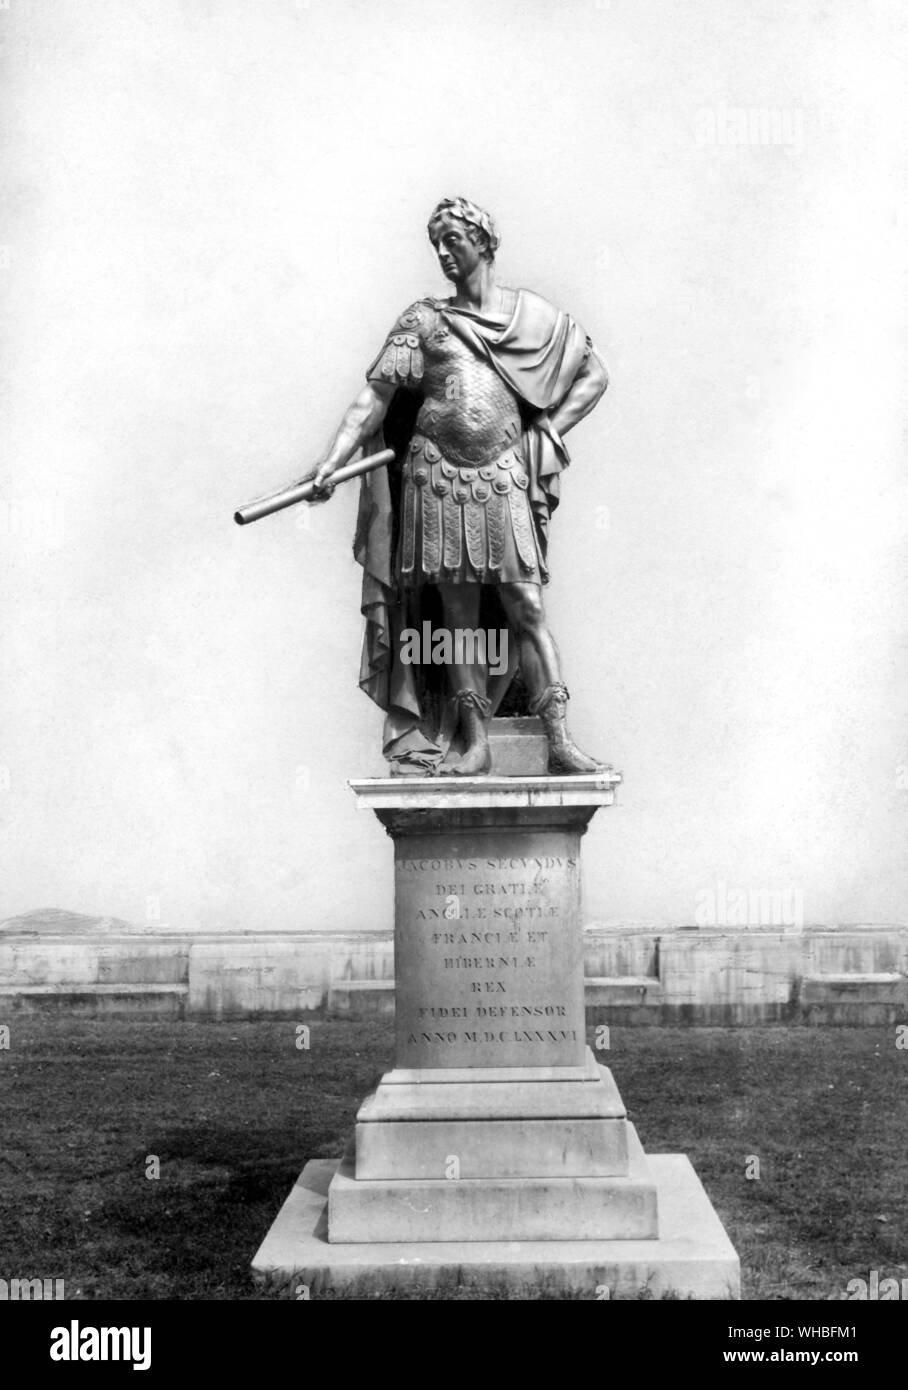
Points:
(474, 393)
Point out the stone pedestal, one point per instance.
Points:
(496, 1130)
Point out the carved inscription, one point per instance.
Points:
(488, 952)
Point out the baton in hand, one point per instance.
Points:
(304, 492)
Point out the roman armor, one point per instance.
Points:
(468, 499)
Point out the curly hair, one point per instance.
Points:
(480, 227)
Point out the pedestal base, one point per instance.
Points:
(469, 1209)
(500, 1126)
(496, 1154)
(692, 1259)
(494, 1160)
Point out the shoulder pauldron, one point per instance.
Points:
(402, 361)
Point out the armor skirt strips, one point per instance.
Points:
(465, 525)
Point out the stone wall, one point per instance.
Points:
(850, 974)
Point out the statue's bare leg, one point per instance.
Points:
(542, 674)
(460, 604)
(538, 653)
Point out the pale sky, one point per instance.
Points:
(214, 212)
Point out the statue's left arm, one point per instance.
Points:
(586, 389)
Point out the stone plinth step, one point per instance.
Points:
(492, 1149)
(692, 1259)
(593, 1096)
(497, 1128)
(519, 747)
(520, 1208)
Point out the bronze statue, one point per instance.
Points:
(473, 394)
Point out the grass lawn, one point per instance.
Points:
(233, 1110)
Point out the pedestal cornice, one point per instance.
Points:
(405, 804)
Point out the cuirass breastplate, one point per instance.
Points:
(467, 409)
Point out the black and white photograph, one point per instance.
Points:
(453, 739)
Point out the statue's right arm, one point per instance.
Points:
(361, 419)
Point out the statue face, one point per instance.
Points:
(458, 256)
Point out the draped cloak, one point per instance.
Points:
(538, 353)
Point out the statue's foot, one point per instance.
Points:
(475, 762)
(473, 712)
(567, 760)
(404, 767)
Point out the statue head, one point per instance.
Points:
(478, 225)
